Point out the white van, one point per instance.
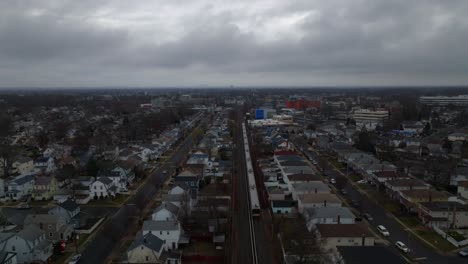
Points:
(400, 245)
(383, 230)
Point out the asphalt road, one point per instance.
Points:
(114, 229)
(420, 252)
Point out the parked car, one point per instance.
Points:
(355, 203)
(368, 217)
(75, 259)
(400, 245)
(463, 253)
(23, 206)
(333, 181)
(344, 192)
(361, 181)
(383, 230)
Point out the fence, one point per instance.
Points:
(449, 238)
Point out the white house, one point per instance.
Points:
(168, 231)
(165, 212)
(45, 164)
(314, 200)
(309, 187)
(462, 189)
(328, 215)
(332, 236)
(20, 186)
(30, 245)
(102, 188)
(23, 165)
(145, 249)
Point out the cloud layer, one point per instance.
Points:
(219, 43)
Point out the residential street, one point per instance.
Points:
(421, 253)
(114, 228)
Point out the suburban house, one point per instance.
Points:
(283, 206)
(443, 214)
(20, 186)
(328, 215)
(7, 257)
(54, 226)
(332, 235)
(45, 164)
(119, 176)
(198, 158)
(145, 249)
(81, 189)
(396, 185)
(189, 179)
(462, 189)
(460, 174)
(68, 210)
(29, 244)
(276, 193)
(411, 198)
(168, 231)
(44, 188)
(165, 212)
(22, 165)
(313, 200)
(103, 187)
(309, 187)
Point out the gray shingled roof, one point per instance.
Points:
(30, 233)
(69, 205)
(151, 225)
(169, 206)
(149, 240)
(105, 180)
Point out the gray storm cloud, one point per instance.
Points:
(172, 43)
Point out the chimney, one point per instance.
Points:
(363, 239)
(339, 219)
(315, 190)
(324, 203)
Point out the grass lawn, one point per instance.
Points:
(82, 239)
(337, 164)
(61, 258)
(203, 248)
(120, 199)
(436, 240)
(455, 235)
(355, 177)
(409, 221)
(391, 207)
(39, 203)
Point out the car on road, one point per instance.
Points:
(333, 181)
(401, 246)
(355, 203)
(383, 230)
(463, 253)
(368, 217)
(75, 259)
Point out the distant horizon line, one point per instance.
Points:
(230, 87)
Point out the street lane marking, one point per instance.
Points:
(421, 258)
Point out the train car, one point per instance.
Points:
(253, 192)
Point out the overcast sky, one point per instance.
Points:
(50, 43)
